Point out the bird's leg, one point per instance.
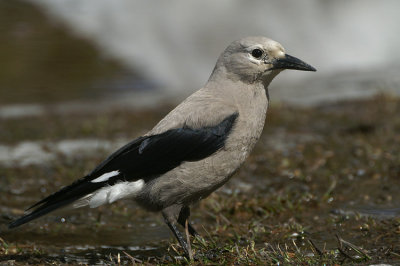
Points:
(171, 216)
(183, 216)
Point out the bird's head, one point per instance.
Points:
(257, 59)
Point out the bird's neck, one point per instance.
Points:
(221, 73)
(266, 79)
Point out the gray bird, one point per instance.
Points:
(195, 149)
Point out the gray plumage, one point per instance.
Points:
(228, 114)
(238, 84)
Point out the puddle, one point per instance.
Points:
(316, 172)
(104, 255)
(78, 239)
(40, 153)
(377, 212)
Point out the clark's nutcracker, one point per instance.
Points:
(195, 149)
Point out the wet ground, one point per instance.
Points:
(321, 187)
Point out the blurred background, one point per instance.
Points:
(80, 78)
(138, 52)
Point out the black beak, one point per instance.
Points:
(291, 62)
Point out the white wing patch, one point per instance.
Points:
(105, 177)
(110, 194)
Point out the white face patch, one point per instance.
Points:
(105, 177)
(256, 61)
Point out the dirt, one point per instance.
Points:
(320, 187)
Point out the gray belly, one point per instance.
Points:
(191, 181)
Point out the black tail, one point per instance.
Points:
(42, 210)
(59, 199)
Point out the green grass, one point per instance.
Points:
(320, 188)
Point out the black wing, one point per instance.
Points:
(144, 158)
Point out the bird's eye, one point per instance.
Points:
(257, 53)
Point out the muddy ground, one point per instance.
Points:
(322, 186)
